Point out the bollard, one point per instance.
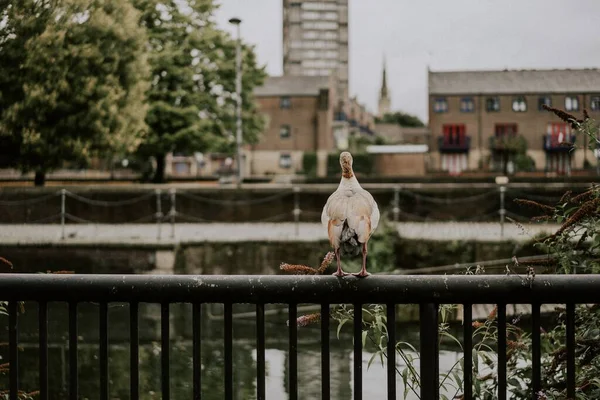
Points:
(63, 211)
(158, 214)
(173, 212)
(396, 209)
(502, 181)
(297, 210)
(502, 210)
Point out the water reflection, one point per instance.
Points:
(244, 355)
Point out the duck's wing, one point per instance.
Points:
(334, 216)
(363, 215)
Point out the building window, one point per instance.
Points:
(454, 134)
(572, 103)
(595, 103)
(319, 6)
(440, 105)
(492, 104)
(505, 130)
(285, 102)
(519, 104)
(467, 104)
(285, 131)
(544, 101)
(285, 161)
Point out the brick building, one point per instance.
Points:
(299, 113)
(473, 113)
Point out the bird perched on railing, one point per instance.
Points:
(350, 217)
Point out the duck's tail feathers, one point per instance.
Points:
(349, 244)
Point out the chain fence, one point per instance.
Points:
(174, 206)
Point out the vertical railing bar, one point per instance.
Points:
(228, 337)
(391, 351)
(13, 356)
(63, 212)
(165, 339)
(196, 348)
(428, 314)
(468, 350)
(103, 347)
(260, 352)
(357, 351)
(325, 363)
(293, 351)
(571, 350)
(134, 352)
(43, 349)
(173, 211)
(502, 352)
(73, 368)
(536, 352)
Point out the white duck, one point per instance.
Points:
(350, 217)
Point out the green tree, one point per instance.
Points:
(402, 119)
(192, 95)
(73, 77)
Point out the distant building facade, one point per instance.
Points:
(472, 114)
(300, 114)
(396, 134)
(315, 40)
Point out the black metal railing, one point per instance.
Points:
(455, 145)
(427, 291)
(552, 144)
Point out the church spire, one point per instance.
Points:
(384, 94)
(384, 89)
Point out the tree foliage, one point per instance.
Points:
(192, 95)
(72, 80)
(402, 119)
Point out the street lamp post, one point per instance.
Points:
(238, 91)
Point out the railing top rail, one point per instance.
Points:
(474, 289)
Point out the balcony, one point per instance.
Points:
(553, 145)
(462, 145)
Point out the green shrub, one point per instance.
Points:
(309, 163)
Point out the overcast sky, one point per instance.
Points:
(446, 35)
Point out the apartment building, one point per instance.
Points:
(473, 114)
(315, 40)
(299, 113)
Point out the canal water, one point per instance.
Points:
(244, 354)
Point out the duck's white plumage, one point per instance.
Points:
(353, 205)
(350, 216)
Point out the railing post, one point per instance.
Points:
(428, 314)
(173, 211)
(502, 210)
(159, 213)
(297, 210)
(502, 182)
(63, 212)
(396, 209)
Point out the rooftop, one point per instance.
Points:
(292, 86)
(515, 81)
